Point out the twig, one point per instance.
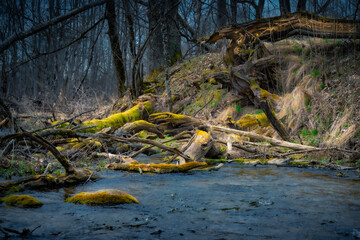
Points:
(250, 150)
(65, 121)
(204, 105)
(176, 137)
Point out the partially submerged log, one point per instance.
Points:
(156, 167)
(169, 120)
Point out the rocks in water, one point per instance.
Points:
(24, 201)
(278, 161)
(103, 197)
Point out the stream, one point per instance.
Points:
(236, 202)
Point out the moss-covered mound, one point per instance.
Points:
(24, 201)
(157, 167)
(251, 122)
(103, 197)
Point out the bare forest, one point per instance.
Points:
(195, 119)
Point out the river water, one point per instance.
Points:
(236, 202)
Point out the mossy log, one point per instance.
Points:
(156, 167)
(201, 143)
(138, 112)
(262, 98)
(140, 125)
(171, 120)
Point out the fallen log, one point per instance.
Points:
(261, 138)
(157, 167)
(137, 126)
(278, 28)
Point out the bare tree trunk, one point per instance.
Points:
(115, 47)
(233, 5)
(42, 26)
(284, 7)
(221, 13)
(301, 5)
(259, 9)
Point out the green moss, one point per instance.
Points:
(154, 76)
(103, 197)
(251, 122)
(175, 58)
(25, 201)
(119, 119)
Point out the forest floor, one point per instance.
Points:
(316, 96)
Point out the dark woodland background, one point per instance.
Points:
(62, 50)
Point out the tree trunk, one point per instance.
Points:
(284, 7)
(259, 9)
(42, 26)
(156, 11)
(233, 5)
(301, 5)
(221, 13)
(115, 47)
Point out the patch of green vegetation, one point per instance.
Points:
(258, 111)
(322, 86)
(175, 58)
(297, 48)
(295, 71)
(357, 135)
(238, 108)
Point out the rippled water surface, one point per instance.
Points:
(236, 202)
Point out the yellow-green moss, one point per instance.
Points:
(103, 197)
(202, 137)
(157, 167)
(251, 122)
(153, 77)
(25, 201)
(119, 119)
